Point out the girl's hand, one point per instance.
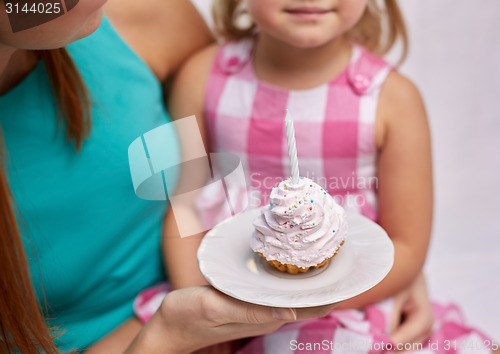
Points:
(197, 317)
(412, 317)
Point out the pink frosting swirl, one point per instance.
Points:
(303, 225)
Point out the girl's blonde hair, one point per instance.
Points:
(379, 28)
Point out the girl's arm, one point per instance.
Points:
(186, 99)
(404, 184)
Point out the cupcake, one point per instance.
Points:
(301, 228)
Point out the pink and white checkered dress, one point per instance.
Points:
(334, 126)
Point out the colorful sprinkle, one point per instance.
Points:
(310, 208)
(312, 201)
(333, 231)
(311, 185)
(314, 241)
(290, 208)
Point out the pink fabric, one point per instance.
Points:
(347, 331)
(148, 301)
(334, 126)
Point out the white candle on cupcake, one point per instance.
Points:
(292, 148)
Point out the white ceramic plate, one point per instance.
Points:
(229, 264)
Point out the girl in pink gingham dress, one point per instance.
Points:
(361, 132)
(334, 125)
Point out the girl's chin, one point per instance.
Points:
(313, 39)
(310, 43)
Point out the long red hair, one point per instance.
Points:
(22, 324)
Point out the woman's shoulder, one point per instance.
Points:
(163, 33)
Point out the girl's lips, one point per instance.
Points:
(308, 13)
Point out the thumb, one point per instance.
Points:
(255, 314)
(284, 314)
(231, 310)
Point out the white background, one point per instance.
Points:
(455, 61)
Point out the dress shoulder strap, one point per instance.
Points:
(366, 71)
(233, 56)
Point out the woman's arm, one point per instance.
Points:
(193, 318)
(119, 340)
(163, 33)
(404, 184)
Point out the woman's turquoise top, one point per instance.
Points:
(91, 243)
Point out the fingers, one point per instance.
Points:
(397, 310)
(222, 309)
(415, 329)
(225, 309)
(418, 315)
(314, 312)
(417, 340)
(243, 330)
(211, 317)
(424, 337)
(284, 314)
